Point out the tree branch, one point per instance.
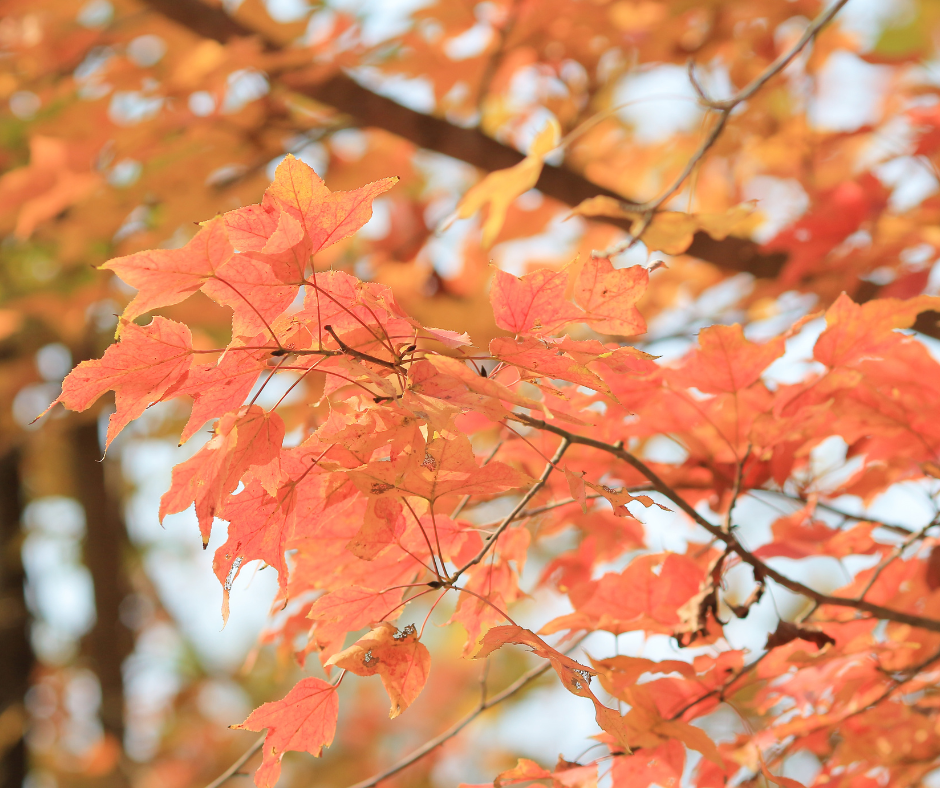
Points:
(664, 489)
(242, 760)
(351, 351)
(517, 509)
(724, 108)
(861, 518)
(437, 741)
(469, 145)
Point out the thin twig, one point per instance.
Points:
(895, 554)
(725, 107)
(888, 614)
(738, 477)
(358, 353)
(861, 518)
(245, 757)
(517, 509)
(526, 513)
(437, 741)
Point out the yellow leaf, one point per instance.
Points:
(500, 188)
(669, 232)
(740, 221)
(602, 205)
(672, 231)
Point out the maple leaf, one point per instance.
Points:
(608, 296)
(637, 598)
(854, 331)
(446, 465)
(167, 276)
(545, 360)
(725, 362)
(249, 440)
(576, 487)
(399, 658)
(304, 719)
(449, 380)
(500, 188)
(263, 227)
(299, 206)
(353, 607)
(534, 303)
(258, 287)
(139, 369)
(218, 388)
(258, 529)
(383, 524)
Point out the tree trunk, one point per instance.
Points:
(16, 653)
(110, 642)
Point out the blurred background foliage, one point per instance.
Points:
(125, 122)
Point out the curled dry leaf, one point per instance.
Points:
(397, 657)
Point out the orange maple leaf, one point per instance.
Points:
(243, 441)
(139, 369)
(609, 295)
(167, 276)
(398, 658)
(534, 303)
(304, 719)
(725, 362)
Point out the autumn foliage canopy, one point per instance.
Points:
(372, 504)
(409, 476)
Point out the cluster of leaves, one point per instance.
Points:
(379, 495)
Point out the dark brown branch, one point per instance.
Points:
(466, 144)
(887, 614)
